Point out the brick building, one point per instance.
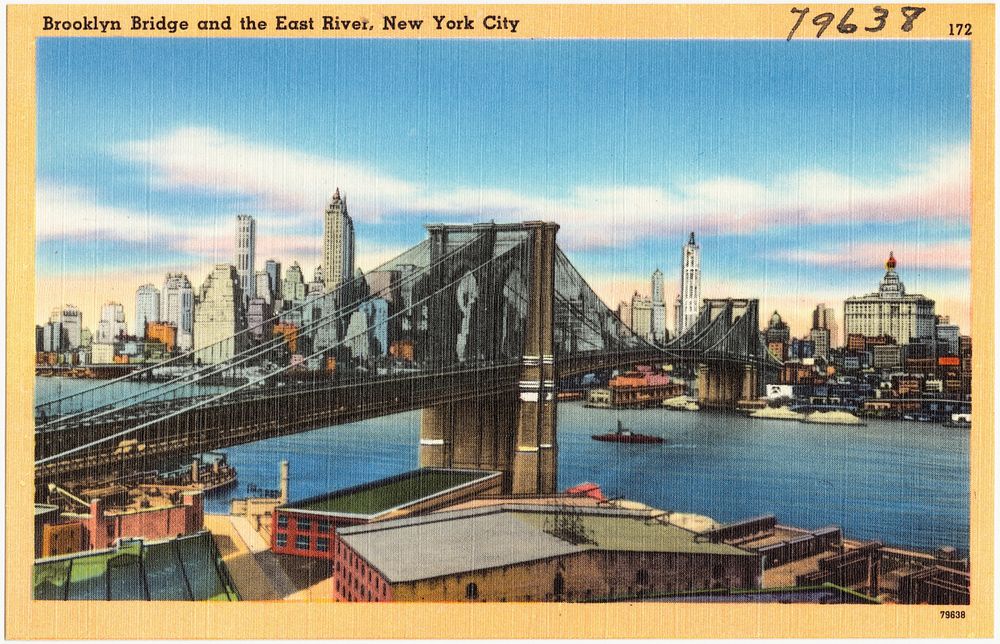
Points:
(306, 527)
(526, 552)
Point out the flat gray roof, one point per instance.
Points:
(462, 541)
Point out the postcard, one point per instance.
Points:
(483, 321)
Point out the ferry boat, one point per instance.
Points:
(777, 413)
(681, 403)
(626, 436)
(835, 417)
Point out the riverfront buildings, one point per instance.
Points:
(246, 239)
(890, 311)
(338, 243)
(219, 315)
(689, 299)
(70, 321)
(178, 308)
(147, 308)
(531, 552)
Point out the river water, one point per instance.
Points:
(904, 483)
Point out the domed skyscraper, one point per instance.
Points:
(890, 311)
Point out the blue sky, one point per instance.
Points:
(798, 164)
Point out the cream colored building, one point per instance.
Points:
(218, 316)
(890, 311)
(338, 243)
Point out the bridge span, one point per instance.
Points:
(474, 326)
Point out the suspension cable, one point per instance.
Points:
(251, 383)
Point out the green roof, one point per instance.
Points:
(382, 496)
(610, 532)
(185, 568)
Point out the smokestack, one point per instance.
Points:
(284, 483)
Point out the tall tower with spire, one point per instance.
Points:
(890, 311)
(338, 243)
(690, 296)
(659, 321)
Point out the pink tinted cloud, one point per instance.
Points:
(593, 216)
(946, 254)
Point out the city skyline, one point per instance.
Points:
(799, 221)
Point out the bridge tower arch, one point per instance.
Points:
(511, 432)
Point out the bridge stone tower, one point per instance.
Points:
(512, 432)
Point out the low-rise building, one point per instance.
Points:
(100, 528)
(102, 353)
(305, 527)
(643, 387)
(527, 552)
(163, 332)
(181, 568)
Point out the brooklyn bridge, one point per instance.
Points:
(475, 326)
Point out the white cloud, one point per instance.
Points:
(285, 180)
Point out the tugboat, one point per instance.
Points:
(626, 436)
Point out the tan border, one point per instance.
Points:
(35, 620)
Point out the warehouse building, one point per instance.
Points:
(306, 527)
(524, 552)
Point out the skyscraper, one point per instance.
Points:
(273, 270)
(825, 318)
(690, 295)
(246, 238)
(147, 308)
(177, 307)
(890, 311)
(219, 315)
(262, 282)
(642, 316)
(338, 243)
(71, 320)
(112, 324)
(293, 287)
(659, 322)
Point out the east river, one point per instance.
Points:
(903, 483)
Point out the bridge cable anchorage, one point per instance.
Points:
(185, 380)
(251, 383)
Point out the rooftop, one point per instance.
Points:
(185, 568)
(378, 497)
(448, 543)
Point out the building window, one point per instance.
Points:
(281, 540)
(472, 591)
(322, 544)
(324, 526)
(303, 524)
(282, 520)
(302, 542)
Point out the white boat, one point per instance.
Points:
(682, 403)
(832, 418)
(777, 413)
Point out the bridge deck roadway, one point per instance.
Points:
(255, 414)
